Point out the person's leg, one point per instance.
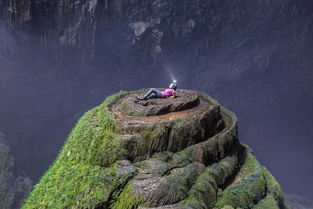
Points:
(152, 96)
(158, 94)
(150, 91)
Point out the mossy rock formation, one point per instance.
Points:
(180, 153)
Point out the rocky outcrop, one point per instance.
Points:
(14, 185)
(184, 158)
(224, 41)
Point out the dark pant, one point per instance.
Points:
(153, 93)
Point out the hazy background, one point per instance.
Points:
(257, 60)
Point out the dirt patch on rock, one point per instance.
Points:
(187, 104)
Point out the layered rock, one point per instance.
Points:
(14, 185)
(181, 152)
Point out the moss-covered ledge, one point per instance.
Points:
(83, 174)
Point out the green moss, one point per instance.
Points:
(193, 203)
(163, 156)
(147, 134)
(127, 199)
(268, 202)
(250, 165)
(244, 194)
(76, 179)
(273, 187)
(249, 186)
(70, 186)
(93, 140)
(203, 194)
(147, 146)
(227, 207)
(181, 159)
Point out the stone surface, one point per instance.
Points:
(173, 131)
(184, 100)
(188, 158)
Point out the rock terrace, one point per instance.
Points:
(178, 153)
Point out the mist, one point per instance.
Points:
(259, 66)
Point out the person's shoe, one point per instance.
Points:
(140, 98)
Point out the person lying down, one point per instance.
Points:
(155, 93)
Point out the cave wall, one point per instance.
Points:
(146, 36)
(14, 184)
(154, 27)
(66, 56)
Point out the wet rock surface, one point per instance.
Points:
(185, 125)
(186, 158)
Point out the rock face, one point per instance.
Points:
(153, 26)
(14, 185)
(187, 157)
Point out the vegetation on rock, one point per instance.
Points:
(190, 158)
(77, 178)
